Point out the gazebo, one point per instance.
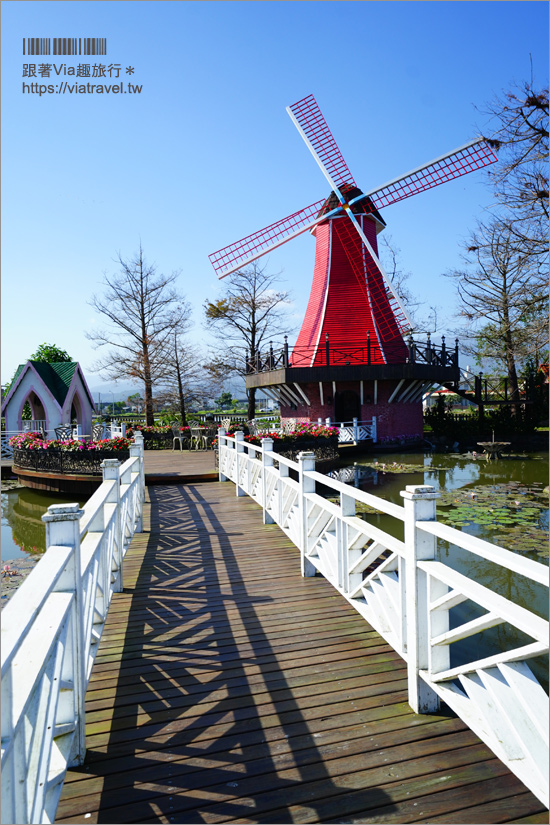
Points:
(57, 393)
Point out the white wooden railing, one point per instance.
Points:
(115, 430)
(118, 430)
(34, 425)
(406, 593)
(6, 448)
(50, 630)
(351, 432)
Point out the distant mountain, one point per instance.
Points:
(121, 391)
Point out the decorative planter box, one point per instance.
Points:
(157, 441)
(85, 462)
(324, 448)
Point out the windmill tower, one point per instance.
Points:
(354, 357)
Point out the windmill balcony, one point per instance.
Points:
(423, 360)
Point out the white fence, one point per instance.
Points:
(50, 630)
(351, 432)
(118, 430)
(36, 425)
(407, 593)
(100, 431)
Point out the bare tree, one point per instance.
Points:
(142, 310)
(186, 380)
(520, 179)
(503, 299)
(503, 287)
(249, 315)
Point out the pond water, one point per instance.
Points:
(504, 501)
(23, 531)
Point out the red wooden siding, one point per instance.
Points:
(348, 301)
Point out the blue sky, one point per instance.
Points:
(207, 154)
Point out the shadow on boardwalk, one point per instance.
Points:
(228, 688)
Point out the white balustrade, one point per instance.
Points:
(352, 432)
(406, 592)
(6, 447)
(30, 426)
(50, 630)
(118, 430)
(115, 430)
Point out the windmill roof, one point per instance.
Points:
(350, 192)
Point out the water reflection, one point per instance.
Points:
(23, 531)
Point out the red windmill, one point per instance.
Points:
(354, 317)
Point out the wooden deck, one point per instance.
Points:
(180, 466)
(229, 689)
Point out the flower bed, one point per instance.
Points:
(317, 438)
(31, 452)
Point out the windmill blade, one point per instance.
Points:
(473, 155)
(311, 124)
(239, 254)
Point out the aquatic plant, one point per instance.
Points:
(516, 514)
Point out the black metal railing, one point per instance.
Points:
(87, 462)
(494, 390)
(409, 352)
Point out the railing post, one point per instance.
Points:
(284, 472)
(306, 462)
(267, 461)
(138, 439)
(355, 431)
(285, 351)
(373, 430)
(327, 350)
(221, 446)
(419, 503)
(63, 530)
(111, 472)
(136, 451)
(139, 442)
(239, 444)
(368, 348)
(345, 580)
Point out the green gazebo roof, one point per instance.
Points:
(56, 376)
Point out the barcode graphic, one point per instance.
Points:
(64, 45)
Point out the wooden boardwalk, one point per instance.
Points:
(229, 689)
(180, 466)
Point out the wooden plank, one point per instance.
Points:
(329, 743)
(228, 688)
(533, 819)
